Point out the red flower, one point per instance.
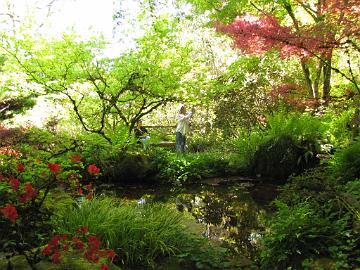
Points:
(76, 158)
(29, 194)
(80, 191)
(54, 167)
(66, 247)
(23, 198)
(47, 250)
(9, 211)
(56, 257)
(91, 256)
(14, 183)
(94, 243)
(92, 169)
(29, 190)
(88, 187)
(104, 267)
(78, 243)
(89, 196)
(53, 242)
(110, 254)
(20, 167)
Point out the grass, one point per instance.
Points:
(139, 234)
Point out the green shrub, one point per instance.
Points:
(337, 125)
(302, 232)
(280, 157)
(315, 185)
(181, 169)
(346, 162)
(299, 126)
(201, 142)
(246, 145)
(302, 130)
(353, 188)
(314, 212)
(129, 167)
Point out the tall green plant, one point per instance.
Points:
(304, 130)
(299, 126)
(140, 234)
(346, 162)
(338, 131)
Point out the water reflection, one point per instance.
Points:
(230, 215)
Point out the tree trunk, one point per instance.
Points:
(304, 67)
(327, 76)
(319, 69)
(307, 78)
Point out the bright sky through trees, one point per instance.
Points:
(87, 17)
(53, 17)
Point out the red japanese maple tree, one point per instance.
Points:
(335, 25)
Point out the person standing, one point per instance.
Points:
(141, 134)
(182, 128)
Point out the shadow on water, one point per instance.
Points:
(232, 211)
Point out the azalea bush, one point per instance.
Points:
(25, 183)
(81, 242)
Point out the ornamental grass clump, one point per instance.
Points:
(139, 234)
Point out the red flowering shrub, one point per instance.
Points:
(24, 186)
(14, 183)
(90, 245)
(29, 193)
(104, 267)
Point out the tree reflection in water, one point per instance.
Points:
(230, 215)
